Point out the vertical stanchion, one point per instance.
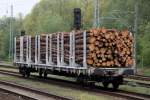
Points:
(50, 49)
(58, 53)
(70, 52)
(27, 49)
(62, 48)
(73, 49)
(15, 58)
(36, 42)
(29, 61)
(39, 48)
(84, 50)
(21, 49)
(47, 60)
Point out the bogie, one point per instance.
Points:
(25, 71)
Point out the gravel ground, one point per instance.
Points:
(8, 96)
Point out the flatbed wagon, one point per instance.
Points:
(28, 55)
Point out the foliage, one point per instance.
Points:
(5, 35)
(57, 15)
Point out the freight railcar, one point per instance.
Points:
(57, 54)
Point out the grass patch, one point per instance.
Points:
(136, 89)
(134, 80)
(144, 71)
(6, 62)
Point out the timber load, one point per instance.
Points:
(110, 48)
(104, 48)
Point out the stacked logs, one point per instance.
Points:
(109, 48)
(43, 48)
(17, 48)
(54, 48)
(33, 49)
(104, 48)
(24, 48)
(66, 46)
(66, 43)
(79, 47)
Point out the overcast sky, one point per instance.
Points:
(19, 6)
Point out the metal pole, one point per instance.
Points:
(94, 14)
(135, 32)
(98, 13)
(11, 34)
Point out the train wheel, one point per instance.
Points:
(40, 72)
(115, 85)
(45, 74)
(116, 82)
(23, 73)
(86, 81)
(28, 72)
(80, 79)
(105, 84)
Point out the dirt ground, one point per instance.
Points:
(8, 96)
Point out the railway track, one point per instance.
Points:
(74, 85)
(28, 92)
(131, 83)
(15, 94)
(139, 77)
